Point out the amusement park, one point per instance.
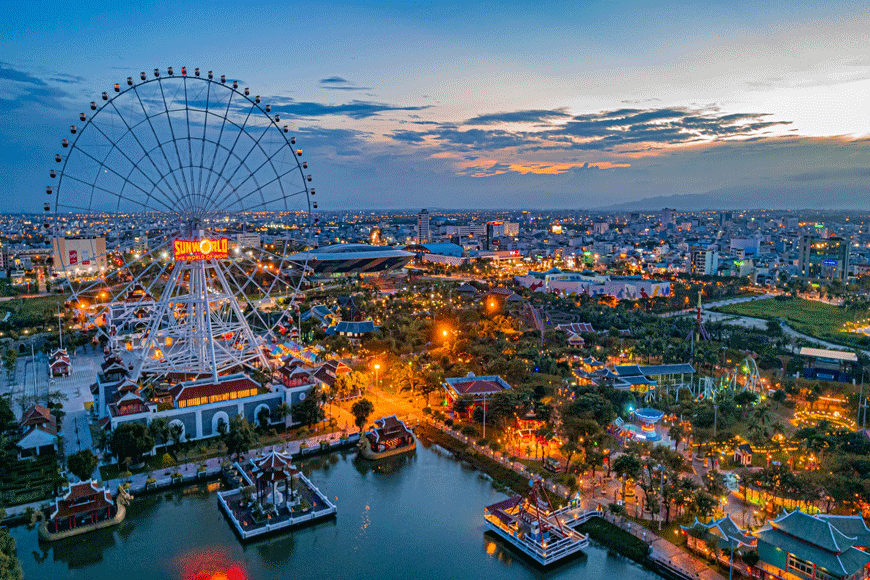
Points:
(220, 351)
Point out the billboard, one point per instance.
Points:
(204, 249)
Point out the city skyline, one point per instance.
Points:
(577, 107)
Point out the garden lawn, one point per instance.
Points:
(810, 317)
(29, 480)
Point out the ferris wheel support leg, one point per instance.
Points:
(207, 316)
(153, 325)
(246, 329)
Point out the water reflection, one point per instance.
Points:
(275, 550)
(413, 514)
(78, 551)
(507, 555)
(214, 563)
(387, 466)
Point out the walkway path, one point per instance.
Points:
(663, 551)
(761, 323)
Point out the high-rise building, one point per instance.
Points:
(824, 257)
(424, 236)
(705, 262)
(668, 216)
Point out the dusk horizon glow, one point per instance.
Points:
(409, 105)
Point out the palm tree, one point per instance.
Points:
(283, 412)
(569, 449)
(176, 434)
(104, 440)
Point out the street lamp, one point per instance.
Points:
(377, 383)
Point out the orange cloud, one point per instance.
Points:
(538, 168)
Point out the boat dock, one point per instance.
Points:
(529, 524)
(300, 503)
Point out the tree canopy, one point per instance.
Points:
(82, 464)
(362, 410)
(130, 441)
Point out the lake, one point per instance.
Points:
(419, 516)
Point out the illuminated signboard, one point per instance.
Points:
(204, 249)
(829, 262)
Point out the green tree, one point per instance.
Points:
(309, 411)
(159, 430)
(461, 405)
(627, 466)
(176, 435)
(350, 384)
(10, 567)
(703, 504)
(676, 433)
(569, 449)
(129, 442)
(750, 558)
(240, 437)
(103, 440)
(283, 412)
(593, 405)
(10, 357)
(82, 464)
(362, 410)
(263, 416)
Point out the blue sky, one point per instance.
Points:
(467, 105)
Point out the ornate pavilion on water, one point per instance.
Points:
(83, 504)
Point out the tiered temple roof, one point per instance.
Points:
(820, 540)
(82, 498)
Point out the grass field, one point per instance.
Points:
(31, 312)
(807, 316)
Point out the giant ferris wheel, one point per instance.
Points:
(176, 208)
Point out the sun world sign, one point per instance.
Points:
(204, 249)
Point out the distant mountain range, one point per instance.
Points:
(771, 197)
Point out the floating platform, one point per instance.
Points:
(389, 437)
(249, 523)
(529, 524)
(84, 508)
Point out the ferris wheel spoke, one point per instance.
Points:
(253, 147)
(179, 193)
(220, 137)
(204, 128)
(104, 190)
(235, 189)
(173, 200)
(189, 139)
(175, 143)
(262, 205)
(98, 284)
(211, 193)
(242, 289)
(134, 167)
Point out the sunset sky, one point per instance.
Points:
(487, 105)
